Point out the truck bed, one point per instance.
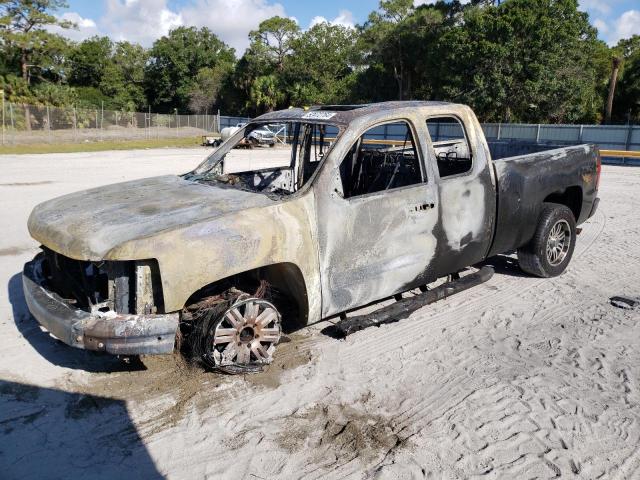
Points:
(525, 182)
(501, 149)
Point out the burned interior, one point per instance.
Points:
(450, 145)
(383, 158)
(279, 168)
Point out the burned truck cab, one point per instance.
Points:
(346, 206)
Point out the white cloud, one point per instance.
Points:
(318, 19)
(140, 21)
(595, 6)
(231, 20)
(344, 18)
(625, 26)
(601, 25)
(85, 27)
(143, 21)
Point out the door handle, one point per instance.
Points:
(422, 207)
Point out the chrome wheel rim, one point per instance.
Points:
(558, 242)
(247, 334)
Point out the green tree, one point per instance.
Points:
(175, 61)
(273, 40)
(108, 74)
(628, 47)
(205, 92)
(265, 93)
(34, 50)
(23, 34)
(15, 89)
(627, 98)
(123, 77)
(396, 44)
(524, 60)
(260, 73)
(320, 68)
(385, 38)
(88, 61)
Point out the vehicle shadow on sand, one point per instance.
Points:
(504, 265)
(49, 433)
(54, 350)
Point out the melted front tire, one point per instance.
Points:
(242, 338)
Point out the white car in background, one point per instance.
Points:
(259, 136)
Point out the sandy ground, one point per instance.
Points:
(518, 378)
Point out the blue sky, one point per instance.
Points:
(145, 20)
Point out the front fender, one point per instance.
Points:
(192, 257)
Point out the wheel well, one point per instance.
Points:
(571, 198)
(286, 290)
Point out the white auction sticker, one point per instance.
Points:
(318, 115)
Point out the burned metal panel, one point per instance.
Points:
(467, 206)
(144, 300)
(346, 115)
(465, 230)
(130, 334)
(87, 225)
(197, 233)
(196, 255)
(525, 181)
(374, 245)
(122, 291)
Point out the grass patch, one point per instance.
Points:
(181, 142)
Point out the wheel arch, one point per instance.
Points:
(571, 197)
(287, 283)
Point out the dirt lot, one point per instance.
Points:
(517, 378)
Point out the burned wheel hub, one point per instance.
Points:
(245, 336)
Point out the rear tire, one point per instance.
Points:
(549, 252)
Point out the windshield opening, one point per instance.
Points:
(272, 158)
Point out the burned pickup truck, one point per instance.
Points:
(353, 205)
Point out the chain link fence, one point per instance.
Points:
(31, 124)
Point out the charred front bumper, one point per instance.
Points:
(118, 334)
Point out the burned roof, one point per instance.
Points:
(342, 114)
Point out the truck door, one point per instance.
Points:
(376, 217)
(466, 191)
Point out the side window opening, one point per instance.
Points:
(316, 143)
(383, 158)
(450, 145)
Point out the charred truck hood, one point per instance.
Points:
(89, 224)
